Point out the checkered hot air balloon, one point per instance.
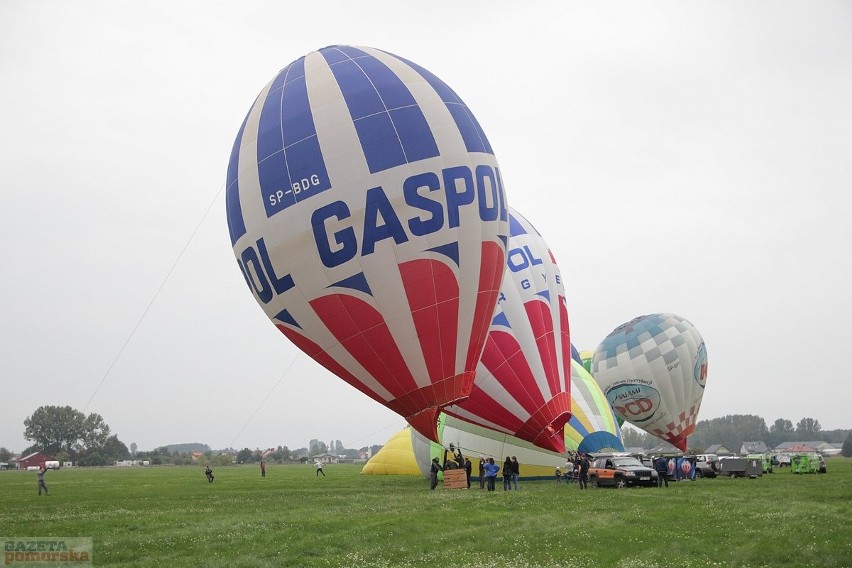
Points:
(653, 370)
(368, 217)
(523, 381)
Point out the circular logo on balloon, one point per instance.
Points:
(699, 371)
(685, 467)
(634, 402)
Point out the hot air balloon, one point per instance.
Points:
(653, 370)
(367, 214)
(522, 384)
(593, 426)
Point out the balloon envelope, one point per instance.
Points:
(522, 384)
(593, 426)
(368, 218)
(653, 370)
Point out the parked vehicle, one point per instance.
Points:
(621, 471)
(810, 462)
(781, 459)
(765, 461)
(706, 465)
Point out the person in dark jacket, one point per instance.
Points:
(507, 474)
(433, 473)
(583, 478)
(468, 468)
(482, 472)
(516, 472)
(661, 466)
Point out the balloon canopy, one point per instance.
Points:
(593, 426)
(367, 214)
(522, 384)
(653, 370)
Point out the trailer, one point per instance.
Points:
(741, 467)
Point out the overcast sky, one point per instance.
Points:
(684, 157)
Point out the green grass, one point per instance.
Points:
(170, 516)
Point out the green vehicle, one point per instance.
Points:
(808, 463)
(765, 461)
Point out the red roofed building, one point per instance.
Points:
(35, 459)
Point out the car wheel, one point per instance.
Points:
(594, 482)
(620, 483)
(698, 474)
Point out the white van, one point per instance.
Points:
(51, 464)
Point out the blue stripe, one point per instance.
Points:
(515, 227)
(472, 133)
(284, 316)
(450, 250)
(391, 127)
(233, 209)
(290, 164)
(355, 282)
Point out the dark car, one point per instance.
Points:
(618, 471)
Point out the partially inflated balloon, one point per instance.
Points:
(593, 427)
(522, 384)
(653, 370)
(367, 215)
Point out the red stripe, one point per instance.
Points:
(566, 344)
(505, 360)
(316, 353)
(363, 332)
(538, 313)
(433, 297)
(491, 267)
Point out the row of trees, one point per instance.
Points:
(731, 431)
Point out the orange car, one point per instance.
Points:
(621, 471)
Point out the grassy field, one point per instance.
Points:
(171, 516)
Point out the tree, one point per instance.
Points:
(58, 429)
(5, 455)
(846, 452)
(114, 449)
(316, 447)
(781, 425)
(55, 428)
(808, 426)
(244, 455)
(133, 447)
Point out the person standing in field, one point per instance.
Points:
(583, 476)
(491, 471)
(319, 468)
(662, 468)
(516, 472)
(468, 468)
(209, 473)
(262, 469)
(482, 472)
(40, 477)
(433, 474)
(569, 470)
(507, 474)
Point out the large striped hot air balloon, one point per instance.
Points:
(653, 370)
(367, 214)
(522, 385)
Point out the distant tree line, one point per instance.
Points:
(731, 431)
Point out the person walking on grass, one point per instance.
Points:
(319, 468)
(41, 483)
(209, 473)
(482, 472)
(516, 472)
(262, 469)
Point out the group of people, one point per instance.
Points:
(576, 467)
